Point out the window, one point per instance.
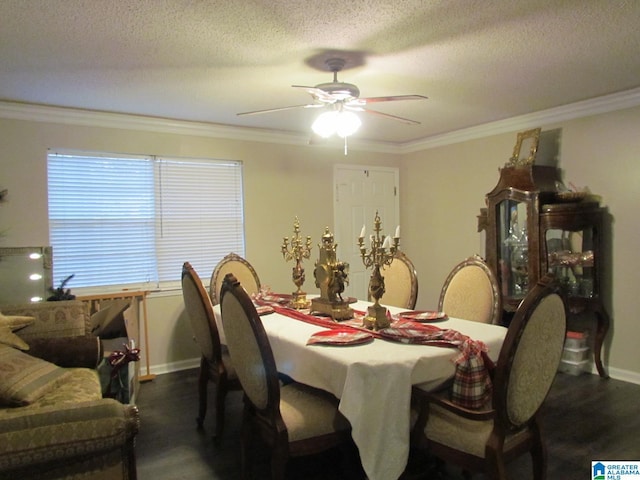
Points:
(132, 221)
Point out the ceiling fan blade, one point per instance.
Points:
(386, 115)
(269, 110)
(391, 98)
(317, 93)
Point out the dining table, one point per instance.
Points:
(372, 379)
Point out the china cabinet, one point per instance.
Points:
(533, 227)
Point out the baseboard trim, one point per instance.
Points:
(175, 366)
(624, 375)
(615, 373)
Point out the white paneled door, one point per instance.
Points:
(359, 192)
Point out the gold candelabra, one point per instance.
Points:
(379, 255)
(295, 249)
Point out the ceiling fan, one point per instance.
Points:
(341, 97)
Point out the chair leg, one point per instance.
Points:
(495, 466)
(538, 454)
(245, 448)
(279, 457)
(203, 382)
(221, 394)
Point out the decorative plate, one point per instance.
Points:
(410, 335)
(264, 309)
(423, 316)
(281, 298)
(340, 337)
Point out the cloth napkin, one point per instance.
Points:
(340, 336)
(423, 316)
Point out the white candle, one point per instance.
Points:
(362, 232)
(387, 242)
(397, 235)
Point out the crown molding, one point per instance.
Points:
(585, 108)
(91, 118)
(70, 116)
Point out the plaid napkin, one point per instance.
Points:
(340, 336)
(423, 316)
(264, 309)
(407, 331)
(266, 297)
(472, 386)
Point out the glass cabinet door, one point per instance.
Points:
(25, 274)
(513, 248)
(570, 256)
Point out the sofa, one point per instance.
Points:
(54, 421)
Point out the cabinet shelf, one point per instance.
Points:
(532, 230)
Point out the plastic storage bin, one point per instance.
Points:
(575, 354)
(573, 368)
(576, 340)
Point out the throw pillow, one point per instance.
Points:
(15, 322)
(7, 337)
(108, 322)
(24, 379)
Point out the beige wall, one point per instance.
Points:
(442, 190)
(280, 182)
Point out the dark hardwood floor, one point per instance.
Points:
(584, 418)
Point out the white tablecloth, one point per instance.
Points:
(373, 381)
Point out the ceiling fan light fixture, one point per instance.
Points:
(325, 124)
(343, 123)
(347, 124)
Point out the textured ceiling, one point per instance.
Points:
(478, 61)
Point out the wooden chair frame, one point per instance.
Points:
(508, 439)
(266, 420)
(223, 267)
(216, 368)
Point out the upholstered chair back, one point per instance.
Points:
(471, 292)
(248, 346)
(533, 347)
(200, 312)
(242, 271)
(401, 283)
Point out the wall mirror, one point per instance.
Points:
(25, 274)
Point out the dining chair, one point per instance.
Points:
(484, 440)
(215, 363)
(471, 292)
(294, 419)
(400, 283)
(241, 269)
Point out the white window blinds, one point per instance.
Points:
(133, 221)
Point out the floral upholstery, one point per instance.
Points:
(69, 431)
(69, 318)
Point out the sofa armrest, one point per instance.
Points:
(68, 352)
(69, 318)
(61, 433)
